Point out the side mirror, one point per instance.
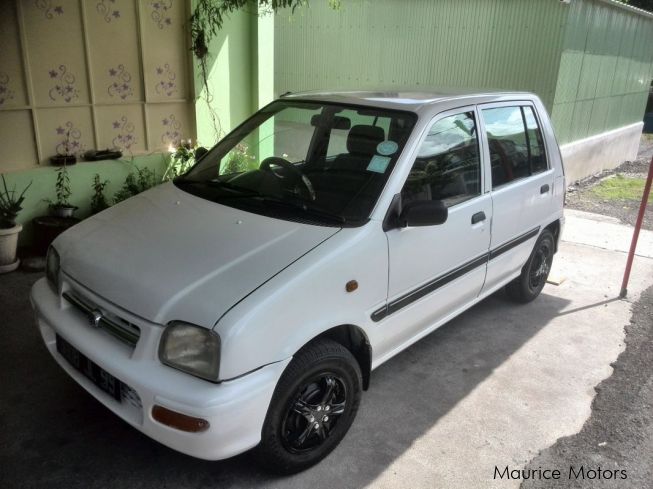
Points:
(423, 213)
(200, 152)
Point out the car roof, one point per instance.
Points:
(411, 99)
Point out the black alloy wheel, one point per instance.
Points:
(535, 272)
(313, 406)
(540, 266)
(314, 414)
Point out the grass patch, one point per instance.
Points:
(621, 188)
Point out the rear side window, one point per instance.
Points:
(516, 144)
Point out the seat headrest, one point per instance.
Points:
(364, 139)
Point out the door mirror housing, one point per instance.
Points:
(423, 213)
(200, 152)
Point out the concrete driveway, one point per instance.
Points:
(493, 387)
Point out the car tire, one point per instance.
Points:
(312, 408)
(535, 272)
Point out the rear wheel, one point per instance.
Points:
(534, 274)
(312, 408)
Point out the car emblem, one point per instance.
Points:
(94, 318)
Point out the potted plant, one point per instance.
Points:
(62, 207)
(181, 159)
(10, 206)
(135, 183)
(66, 148)
(47, 228)
(99, 200)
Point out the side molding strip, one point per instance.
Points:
(436, 283)
(499, 250)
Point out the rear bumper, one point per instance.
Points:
(235, 409)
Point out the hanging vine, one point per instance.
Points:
(207, 19)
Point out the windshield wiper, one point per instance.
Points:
(242, 191)
(302, 207)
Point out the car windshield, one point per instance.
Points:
(314, 162)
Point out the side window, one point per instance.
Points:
(516, 144)
(537, 155)
(447, 166)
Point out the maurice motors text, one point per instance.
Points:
(573, 473)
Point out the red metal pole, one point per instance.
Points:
(638, 226)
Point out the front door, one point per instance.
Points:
(435, 270)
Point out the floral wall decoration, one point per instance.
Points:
(124, 130)
(64, 88)
(161, 12)
(69, 143)
(121, 85)
(5, 92)
(166, 84)
(77, 75)
(108, 10)
(49, 9)
(172, 131)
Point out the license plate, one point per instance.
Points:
(100, 377)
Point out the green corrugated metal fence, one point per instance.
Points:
(605, 71)
(585, 60)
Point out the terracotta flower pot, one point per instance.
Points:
(8, 245)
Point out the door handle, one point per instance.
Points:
(478, 217)
(544, 188)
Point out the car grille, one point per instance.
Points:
(123, 330)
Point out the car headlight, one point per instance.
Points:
(52, 268)
(191, 349)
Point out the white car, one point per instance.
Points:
(246, 304)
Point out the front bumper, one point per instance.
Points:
(235, 409)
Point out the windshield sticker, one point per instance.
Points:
(387, 148)
(378, 164)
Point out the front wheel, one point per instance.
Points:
(534, 274)
(313, 406)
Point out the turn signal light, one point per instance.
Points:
(179, 421)
(351, 286)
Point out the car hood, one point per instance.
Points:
(167, 255)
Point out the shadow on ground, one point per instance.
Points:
(54, 434)
(613, 449)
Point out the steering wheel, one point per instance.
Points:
(266, 165)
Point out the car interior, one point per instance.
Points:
(343, 182)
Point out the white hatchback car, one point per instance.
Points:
(245, 304)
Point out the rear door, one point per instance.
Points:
(522, 185)
(434, 270)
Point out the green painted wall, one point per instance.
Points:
(263, 60)
(81, 179)
(606, 68)
(230, 82)
(230, 78)
(509, 44)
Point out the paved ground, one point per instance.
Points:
(493, 387)
(619, 434)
